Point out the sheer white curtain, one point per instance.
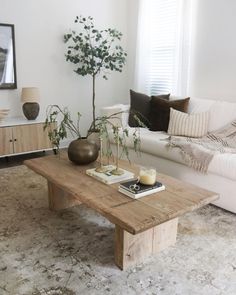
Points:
(163, 46)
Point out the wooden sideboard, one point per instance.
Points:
(18, 135)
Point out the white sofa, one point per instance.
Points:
(221, 176)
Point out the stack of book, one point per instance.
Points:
(135, 190)
(107, 177)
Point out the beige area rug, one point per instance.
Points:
(71, 252)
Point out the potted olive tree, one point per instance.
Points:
(59, 123)
(94, 52)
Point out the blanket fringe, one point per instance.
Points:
(189, 160)
(193, 163)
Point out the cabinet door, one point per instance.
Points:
(6, 145)
(30, 138)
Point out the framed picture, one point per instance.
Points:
(7, 57)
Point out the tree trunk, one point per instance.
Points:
(94, 101)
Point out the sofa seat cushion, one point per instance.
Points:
(153, 142)
(224, 165)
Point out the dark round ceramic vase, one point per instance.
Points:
(82, 151)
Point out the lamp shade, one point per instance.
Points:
(30, 94)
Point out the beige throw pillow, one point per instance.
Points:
(191, 125)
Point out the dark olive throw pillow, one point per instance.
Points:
(160, 111)
(140, 108)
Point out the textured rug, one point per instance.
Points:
(71, 252)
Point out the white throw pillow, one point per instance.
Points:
(199, 105)
(122, 118)
(221, 114)
(191, 125)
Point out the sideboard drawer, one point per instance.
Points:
(6, 141)
(30, 137)
(24, 138)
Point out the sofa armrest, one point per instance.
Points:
(122, 119)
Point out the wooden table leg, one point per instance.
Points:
(59, 199)
(132, 249)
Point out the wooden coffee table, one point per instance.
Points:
(142, 227)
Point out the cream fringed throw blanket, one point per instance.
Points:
(198, 152)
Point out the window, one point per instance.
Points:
(163, 46)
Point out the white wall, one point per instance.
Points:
(132, 39)
(39, 29)
(214, 57)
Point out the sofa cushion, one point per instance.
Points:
(191, 125)
(121, 119)
(221, 113)
(154, 143)
(140, 107)
(199, 105)
(160, 111)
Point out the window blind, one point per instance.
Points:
(163, 46)
(163, 27)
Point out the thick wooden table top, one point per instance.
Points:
(134, 216)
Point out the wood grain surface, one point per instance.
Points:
(6, 141)
(59, 199)
(30, 137)
(134, 216)
(24, 138)
(132, 249)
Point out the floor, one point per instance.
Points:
(6, 162)
(71, 252)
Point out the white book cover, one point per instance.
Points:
(107, 177)
(143, 194)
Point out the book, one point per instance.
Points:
(143, 190)
(107, 177)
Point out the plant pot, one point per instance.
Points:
(82, 151)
